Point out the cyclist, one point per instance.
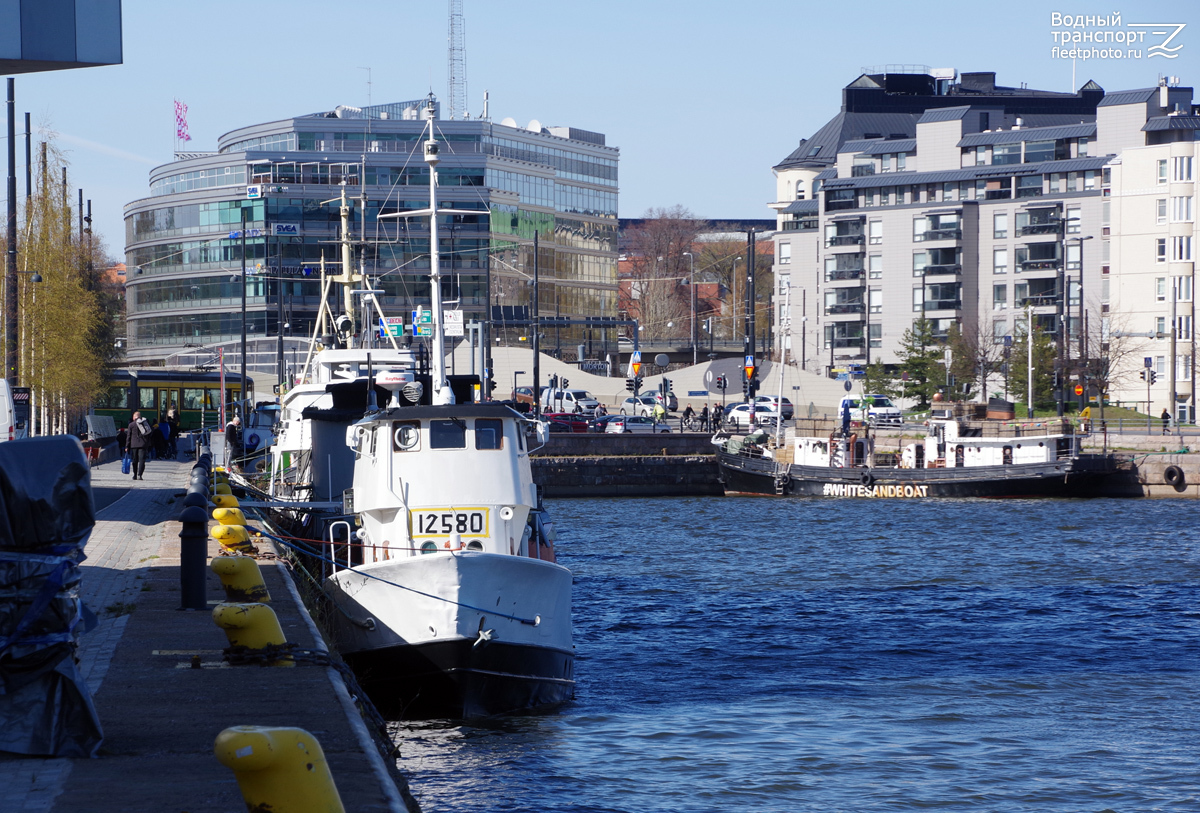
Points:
(688, 415)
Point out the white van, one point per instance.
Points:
(11, 427)
(568, 401)
(880, 411)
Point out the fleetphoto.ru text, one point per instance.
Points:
(1100, 36)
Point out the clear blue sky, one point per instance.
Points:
(701, 97)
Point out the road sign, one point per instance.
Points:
(1079, 389)
(749, 365)
(635, 363)
(392, 326)
(1147, 362)
(453, 320)
(254, 192)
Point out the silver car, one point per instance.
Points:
(625, 424)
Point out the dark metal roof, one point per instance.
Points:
(880, 146)
(1172, 123)
(799, 207)
(966, 174)
(822, 148)
(826, 174)
(944, 114)
(1140, 96)
(1082, 130)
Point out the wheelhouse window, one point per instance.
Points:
(489, 433)
(451, 434)
(406, 436)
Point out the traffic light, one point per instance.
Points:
(565, 383)
(491, 385)
(1149, 376)
(1153, 376)
(629, 384)
(721, 383)
(746, 387)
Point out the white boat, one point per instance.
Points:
(451, 601)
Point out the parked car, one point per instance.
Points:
(639, 405)
(737, 416)
(599, 424)
(568, 400)
(672, 402)
(559, 428)
(772, 401)
(571, 419)
(880, 411)
(524, 395)
(624, 424)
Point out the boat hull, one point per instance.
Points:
(1070, 477)
(457, 634)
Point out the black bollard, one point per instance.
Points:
(193, 558)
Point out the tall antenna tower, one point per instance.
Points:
(457, 79)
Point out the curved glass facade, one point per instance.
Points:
(185, 252)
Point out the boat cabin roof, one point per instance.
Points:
(448, 411)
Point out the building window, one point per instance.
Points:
(1074, 220)
(1183, 328)
(920, 260)
(1000, 225)
(785, 253)
(1183, 288)
(1006, 154)
(900, 161)
(875, 297)
(1160, 250)
(885, 163)
(1089, 179)
(1183, 368)
(918, 299)
(999, 297)
(1181, 209)
(1029, 186)
(1020, 295)
(800, 190)
(1106, 212)
(999, 331)
(1160, 289)
(1160, 362)
(1162, 170)
(875, 232)
(1160, 206)
(1082, 150)
(875, 266)
(1181, 249)
(1038, 151)
(1181, 168)
(1000, 261)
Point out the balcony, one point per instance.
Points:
(1052, 264)
(844, 308)
(943, 234)
(854, 342)
(1049, 227)
(842, 274)
(845, 240)
(801, 225)
(997, 194)
(943, 305)
(862, 170)
(947, 268)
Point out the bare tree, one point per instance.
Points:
(659, 271)
(976, 355)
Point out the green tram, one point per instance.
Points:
(153, 391)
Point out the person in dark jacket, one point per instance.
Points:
(141, 439)
(1166, 419)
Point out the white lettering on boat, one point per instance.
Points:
(851, 490)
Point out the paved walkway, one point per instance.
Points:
(160, 716)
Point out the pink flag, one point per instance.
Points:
(181, 125)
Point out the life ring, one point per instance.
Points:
(1174, 476)
(867, 478)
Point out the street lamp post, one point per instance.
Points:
(1083, 332)
(242, 391)
(692, 285)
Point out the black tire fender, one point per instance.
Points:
(867, 478)
(1174, 476)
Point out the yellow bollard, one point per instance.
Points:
(279, 769)
(252, 625)
(233, 537)
(222, 488)
(229, 516)
(241, 578)
(224, 501)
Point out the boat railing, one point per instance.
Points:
(333, 545)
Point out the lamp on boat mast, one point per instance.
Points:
(442, 393)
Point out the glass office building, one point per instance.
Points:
(184, 249)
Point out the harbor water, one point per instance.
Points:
(867, 655)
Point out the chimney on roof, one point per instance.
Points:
(979, 80)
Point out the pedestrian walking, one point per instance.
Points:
(1166, 419)
(233, 441)
(141, 439)
(173, 432)
(704, 418)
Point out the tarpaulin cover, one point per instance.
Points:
(46, 516)
(45, 494)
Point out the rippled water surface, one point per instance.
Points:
(865, 655)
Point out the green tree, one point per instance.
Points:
(922, 372)
(878, 381)
(1043, 368)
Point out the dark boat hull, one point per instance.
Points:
(455, 679)
(1070, 477)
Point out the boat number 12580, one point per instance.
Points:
(450, 521)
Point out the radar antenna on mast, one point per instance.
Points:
(457, 72)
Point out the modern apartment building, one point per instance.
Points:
(1152, 219)
(989, 204)
(184, 247)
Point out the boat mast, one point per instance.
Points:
(442, 393)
